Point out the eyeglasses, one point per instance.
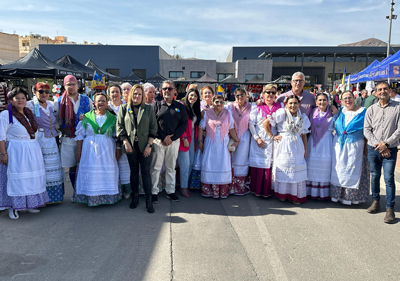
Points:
(240, 95)
(44, 92)
(167, 89)
(298, 81)
(217, 102)
(270, 93)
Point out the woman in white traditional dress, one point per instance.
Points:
(43, 112)
(22, 172)
(216, 169)
(97, 181)
(114, 92)
(350, 170)
(289, 173)
(319, 156)
(240, 111)
(261, 147)
(206, 104)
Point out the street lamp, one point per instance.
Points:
(175, 47)
(390, 24)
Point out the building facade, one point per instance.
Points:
(28, 43)
(322, 64)
(9, 48)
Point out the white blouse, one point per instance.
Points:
(12, 131)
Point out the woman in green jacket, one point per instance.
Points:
(137, 128)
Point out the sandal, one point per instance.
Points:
(13, 214)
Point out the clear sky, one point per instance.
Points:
(203, 29)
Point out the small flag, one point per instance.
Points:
(344, 74)
(97, 77)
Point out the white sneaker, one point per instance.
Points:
(13, 214)
(126, 196)
(33, 211)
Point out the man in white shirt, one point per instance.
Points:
(67, 110)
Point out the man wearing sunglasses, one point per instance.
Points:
(172, 121)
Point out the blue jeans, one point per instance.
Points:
(376, 162)
(185, 161)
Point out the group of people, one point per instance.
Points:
(293, 146)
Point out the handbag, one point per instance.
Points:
(231, 148)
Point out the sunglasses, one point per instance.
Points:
(217, 102)
(44, 92)
(167, 89)
(270, 93)
(240, 95)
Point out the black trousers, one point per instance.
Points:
(135, 159)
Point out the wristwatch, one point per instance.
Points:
(387, 145)
(184, 138)
(149, 145)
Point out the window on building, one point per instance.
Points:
(114, 71)
(222, 76)
(251, 76)
(196, 74)
(175, 74)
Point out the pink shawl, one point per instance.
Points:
(212, 121)
(241, 117)
(266, 111)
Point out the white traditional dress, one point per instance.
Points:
(350, 170)
(97, 181)
(123, 164)
(240, 157)
(216, 172)
(319, 163)
(289, 173)
(46, 137)
(23, 180)
(260, 159)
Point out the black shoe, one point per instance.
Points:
(173, 197)
(154, 198)
(149, 205)
(135, 201)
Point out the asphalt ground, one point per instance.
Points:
(238, 238)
